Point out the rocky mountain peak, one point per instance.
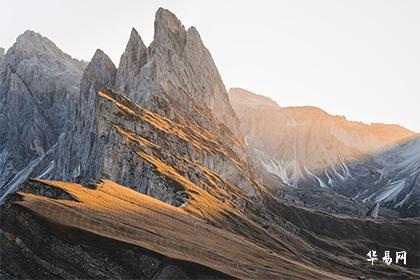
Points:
(176, 70)
(99, 73)
(39, 90)
(169, 31)
(100, 70)
(33, 46)
(75, 154)
(133, 58)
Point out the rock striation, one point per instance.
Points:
(76, 155)
(177, 102)
(39, 87)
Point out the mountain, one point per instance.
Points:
(39, 86)
(154, 180)
(390, 177)
(306, 147)
(172, 107)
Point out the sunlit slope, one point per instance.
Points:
(306, 147)
(248, 232)
(296, 142)
(197, 181)
(117, 212)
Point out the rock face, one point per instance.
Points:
(75, 156)
(176, 79)
(1, 55)
(131, 62)
(306, 147)
(169, 97)
(390, 178)
(39, 87)
(179, 71)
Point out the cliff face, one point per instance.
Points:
(177, 70)
(1, 55)
(39, 86)
(175, 98)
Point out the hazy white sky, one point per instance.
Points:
(360, 59)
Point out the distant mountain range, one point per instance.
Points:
(150, 170)
(305, 147)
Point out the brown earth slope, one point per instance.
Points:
(109, 212)
(119, 213)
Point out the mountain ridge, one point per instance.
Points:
(308, 148)
(259, 97)
(152, 178)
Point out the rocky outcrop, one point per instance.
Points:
(76, 157)
(131, 62)
(176, 79)
(1, 55)
(179, 72)
(39, 87)
(173, 94)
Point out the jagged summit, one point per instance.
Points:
(169, 31)
(39, 89)
(76, 154)
(99, 73)
(32, 44)
(99, 66)
(175, 77)
(131, 62)
(176, 69)
(174, 87)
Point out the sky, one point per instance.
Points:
(360, 59)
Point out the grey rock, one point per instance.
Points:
(1, 55)
(39, 86)
(374, 211)
(176, 81)
(75, 157)
(179, 71)
(131, 62)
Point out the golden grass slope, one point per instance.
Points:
(120, 213)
